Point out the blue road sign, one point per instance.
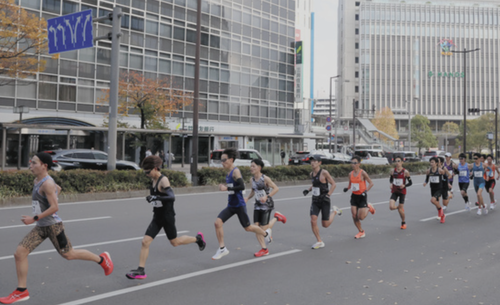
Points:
(328, 127)
(70, 32)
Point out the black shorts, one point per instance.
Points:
(262, 217)
(444, 193)
(463, 186)
(436, 193)
(490, 184)
(395, 196)
(228, 212)
(323, 204)
(165, 221)
(360, 201)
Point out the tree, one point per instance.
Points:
(384, 121)
(152, 99)
(477, 130)
(23, 37)
(422, 133)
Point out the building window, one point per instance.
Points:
(356, 60)
(357, 17)
(358, 3)
(356, 74)
(356, 45)
(356, 89)
(356, 31)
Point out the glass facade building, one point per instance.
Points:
(247, 58)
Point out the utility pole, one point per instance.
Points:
(194, 164)
(330, 133)
(20, 110)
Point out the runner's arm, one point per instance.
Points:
(408, 179)
(272, 185)
(239, 184)
(367, 178)
(331, 181)
(250, 195)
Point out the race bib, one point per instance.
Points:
(230, 192)
(156, 204)
(398, 182)
(478, 174)
(463, 174)
(315, 191)
(260, 194)
(435, 179)
(36, 207)
(355, 187)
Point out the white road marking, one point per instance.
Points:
(88, 245)
(65, 221)
(447, 214)
(176, 279)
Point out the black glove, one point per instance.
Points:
(151, 198)
(345, 189)
(305, 192)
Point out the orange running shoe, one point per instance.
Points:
(443, 218)
(403, 226)
(360, 235)
(280, 217)
(440, 213)
(16, 296)
(262, 252)
(372, 209)
(107, 263)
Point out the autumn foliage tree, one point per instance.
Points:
(152, 99)
(384, 121)
(23, 37)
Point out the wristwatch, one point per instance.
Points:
(35, 218)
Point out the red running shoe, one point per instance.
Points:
(262, 252)
(107, 263)
(440, 212)
(371, 208)
(280, 217)
(443, 218)
(16, 296)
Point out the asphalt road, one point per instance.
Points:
(429, 263)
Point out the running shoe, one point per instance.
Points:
(479, 211)
(485, 210)
(336, 210)
(200, 240)
(318, 245)
(467, 207)
(360, 235)
(443, 218)
(280, 217)
(220, 253)
(440, 213)
(136, 274)
(262, 252)
(107, 263)
(269, 237)
(372, 209)
(492, 205)
(403, 226)
(444, 208)
(16, 296)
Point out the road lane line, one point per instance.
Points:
(89, 245)
(176, 278)
(65, 221)
(447, 214)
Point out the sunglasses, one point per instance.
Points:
(475, 158)
(223, 160)
(398, 160)
(354, 163)
(148, 172)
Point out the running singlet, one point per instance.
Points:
(165, 206)
(450, 169)
(234, 198)
(398, 180)
(261, 190)
(478, 172)
(435, 180)
(319, 188)
(463, 173)
(490, 172)
(40, 204)
(358, 185)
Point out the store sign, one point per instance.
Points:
(446, 74)
(446, 45)
(200, 128)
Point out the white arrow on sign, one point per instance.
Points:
(87, 19)
(55, 36)
(73, 30)
(61, 28)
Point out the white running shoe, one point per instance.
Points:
(485, 210)
(479, 211)
(269, 237)
(220, 253)
(318, 245)
(467, 207)
(492, 205)
(336, 209)
(444, 208)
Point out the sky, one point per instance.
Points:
(325, 55)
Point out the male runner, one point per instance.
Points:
(162, 199)
(463, 178)
(446, 187)
(359, 196)
(49, 225)
(236, 205)
(479, 182)
(489, 176)
(400, 180)
(264, 204)
(321, 199)
(450, 165)
(435, 174)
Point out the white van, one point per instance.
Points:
(245, 157)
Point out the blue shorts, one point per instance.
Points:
(478, 186)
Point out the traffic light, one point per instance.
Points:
(474, 110)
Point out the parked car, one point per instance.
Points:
(299, 158)
(409, 156)
(244, 158)
(372, 156)
(86, 159)
(432, 153)
(339, 158)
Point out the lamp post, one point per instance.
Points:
(196, 101)
(465, 51)
(20, 110)
(330, 133)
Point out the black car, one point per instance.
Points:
(86, 159)
(300, 158)
(406, 156)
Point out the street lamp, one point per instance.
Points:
(465, 51)
(330, 133)
(20, 110)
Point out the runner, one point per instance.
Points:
(48, 225)
(236, 205)
(450, 166)
(435, 174)
(359, 196)
(264, 203)
(321, 199)
(445, 184)
(162, 199)
(400, 180)
(479, 182)
(463, 178)
(489, 176)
